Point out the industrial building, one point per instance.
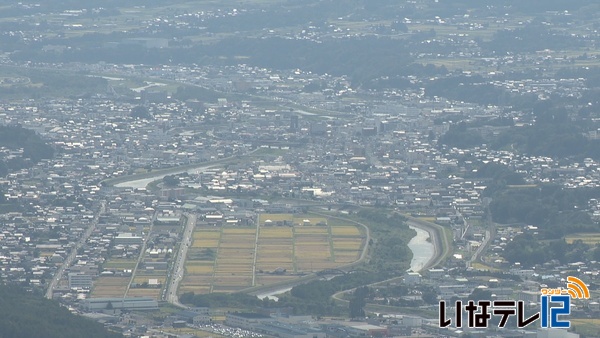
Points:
(130, 303)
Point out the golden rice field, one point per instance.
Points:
(265, 279)
(199, 269)
(347, 244)
(278, 232)
(205, 243)
(207, 234)
(147, 292)
(587, 238)
(588, 326)
(238, 231)
(119, 264)
(345, 231)
(206, 238)
(110, 287)
(139, 279)
(311, 230)
(302, 248)
(345, 258)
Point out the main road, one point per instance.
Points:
(179, 261)
(142, 254)
(73, 254)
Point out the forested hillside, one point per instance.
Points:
(17, 137)
(26, 315)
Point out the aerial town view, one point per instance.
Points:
(300, 168)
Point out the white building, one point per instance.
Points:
(130, 303)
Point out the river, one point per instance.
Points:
(422, 249)
(420, 245)
(142, 183)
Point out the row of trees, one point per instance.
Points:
(529, 251)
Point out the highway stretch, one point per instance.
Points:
(179, 262)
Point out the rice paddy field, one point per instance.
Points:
(588, 327)
(144, 292)
(119, 264)
(110, 287)
(587, 238)
(282, 247)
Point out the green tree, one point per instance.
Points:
(356, 307)
(171, 180)
(480, 294)
(140, 112)
(596, 253)
(429, 295)
(24, 314)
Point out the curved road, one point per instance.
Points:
(441, 249)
